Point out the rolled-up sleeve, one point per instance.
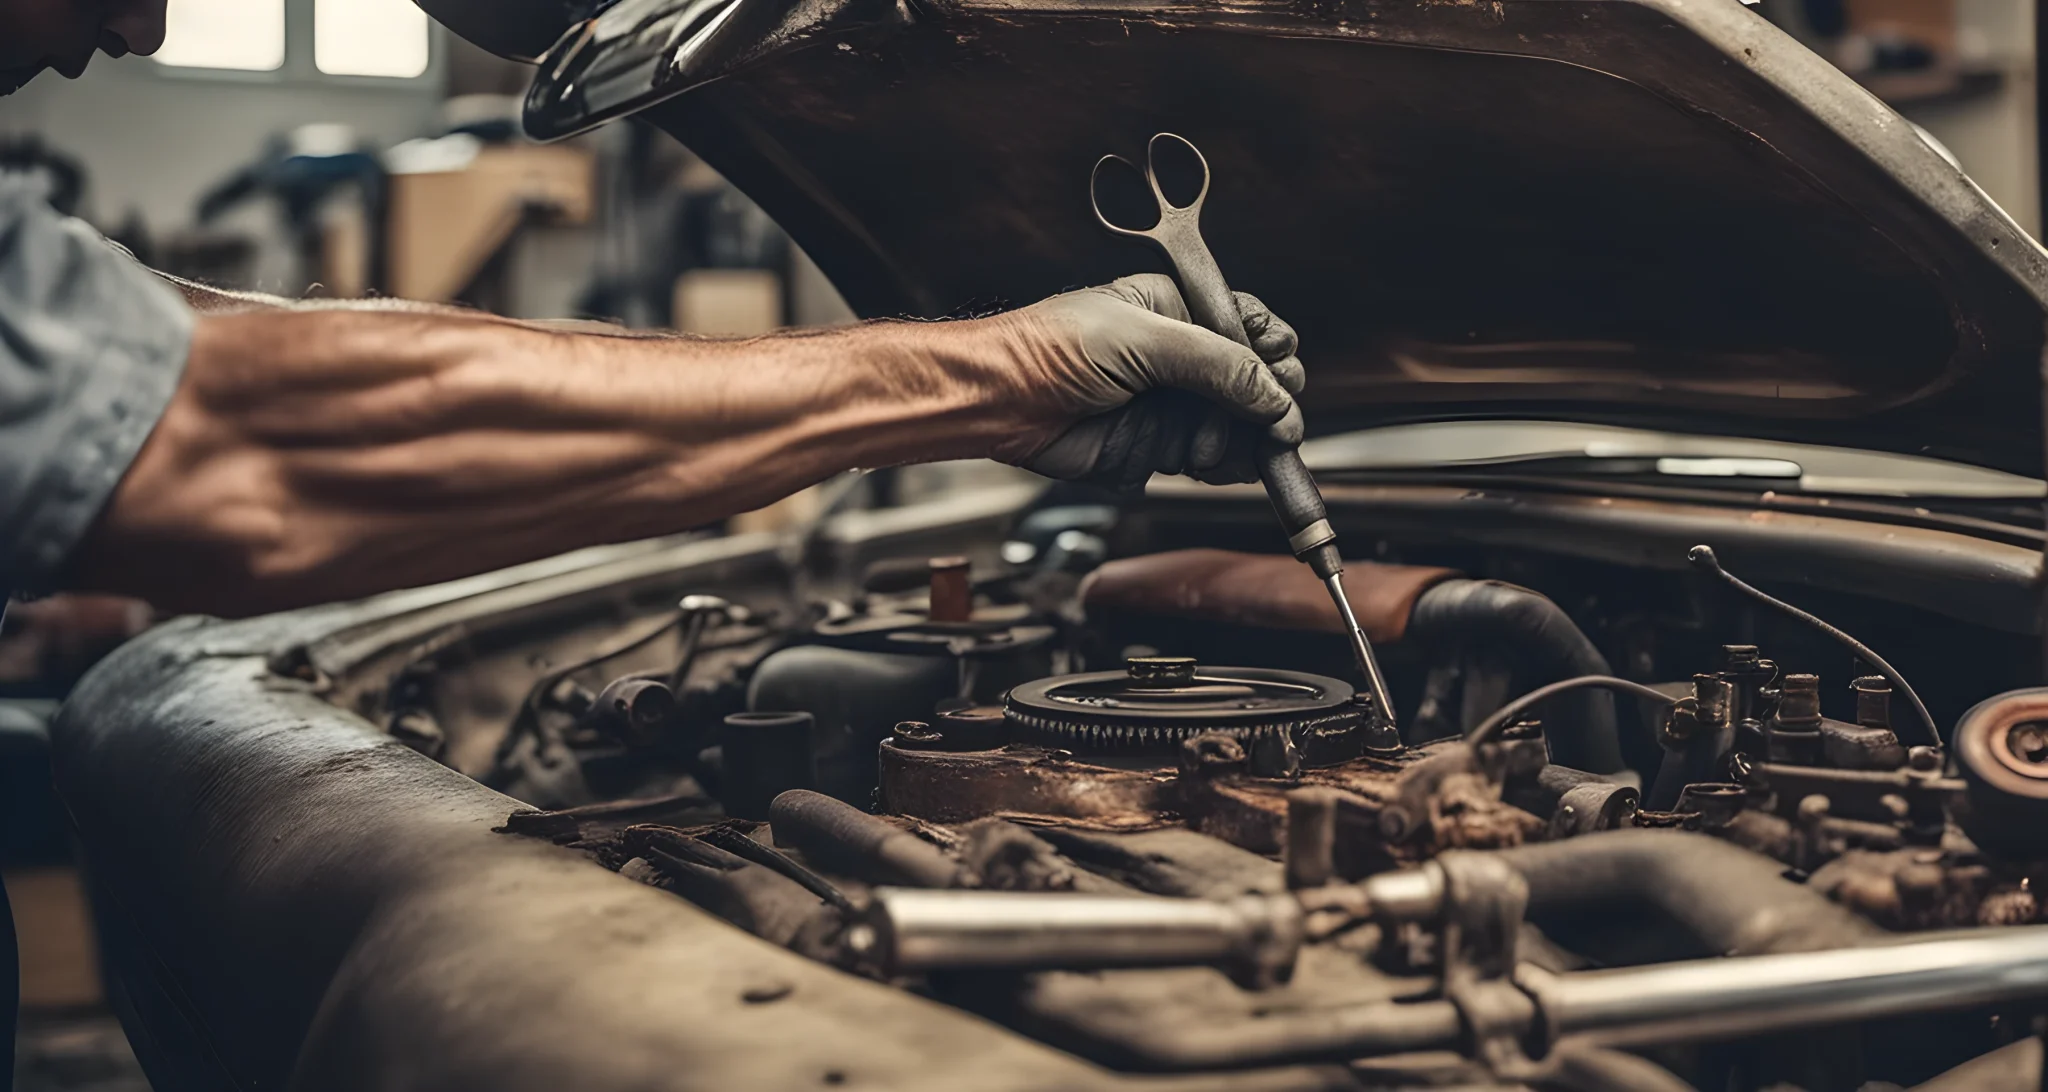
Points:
(91, 347)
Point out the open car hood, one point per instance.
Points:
(1658, 213)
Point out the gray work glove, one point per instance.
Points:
(1157, 394)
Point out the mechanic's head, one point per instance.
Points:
(62, 34)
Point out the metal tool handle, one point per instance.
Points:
(1213, 306)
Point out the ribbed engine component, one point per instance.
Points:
(1158, 703)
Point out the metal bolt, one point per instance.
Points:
(1812, 847)
(1814, 808)
(1161, 671)
(1311, 837)
(2029, 742)
(1799, 700)
(1381, 737)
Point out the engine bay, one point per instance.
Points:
(1134, 806)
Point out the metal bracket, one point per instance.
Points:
(1484, 904)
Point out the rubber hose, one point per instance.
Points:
(1732, 901)
(837, 837)
(1547, 646)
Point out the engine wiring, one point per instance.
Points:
(1506, 714)
(1703, 558)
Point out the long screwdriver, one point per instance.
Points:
(1212, 305)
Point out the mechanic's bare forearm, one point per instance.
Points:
(318, 455)
(208, 300)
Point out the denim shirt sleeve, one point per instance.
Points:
(91, 346)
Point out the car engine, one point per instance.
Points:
(1137, 810)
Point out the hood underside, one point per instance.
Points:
(1662, 213)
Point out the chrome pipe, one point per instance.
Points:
(913, 931)
(1728, 998)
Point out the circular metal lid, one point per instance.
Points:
(1157, 703)
(1224, 695)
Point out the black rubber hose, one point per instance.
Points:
(1733, 901)
(1546, 646)
(837, 837)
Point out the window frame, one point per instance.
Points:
(299, 68)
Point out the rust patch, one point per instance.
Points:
(1029, 785)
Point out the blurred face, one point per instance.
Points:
(62, 34)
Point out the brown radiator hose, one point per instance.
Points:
(1271, 591)
(1430, 605)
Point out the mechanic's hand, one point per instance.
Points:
(1145, 391)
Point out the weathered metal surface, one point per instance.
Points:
(1858, 793)
(318, 893)
(1921, 300)
(1387, 810)
(1973, 579)
(1026, 785)
(1444, 798)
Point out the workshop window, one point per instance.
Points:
(247, 35)
(379, 39)
(370, 38)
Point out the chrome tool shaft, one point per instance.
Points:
(1361, 648)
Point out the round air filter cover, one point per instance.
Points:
(1159, 702)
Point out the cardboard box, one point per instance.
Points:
(445, 225)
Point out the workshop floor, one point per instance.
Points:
(68, 1041)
